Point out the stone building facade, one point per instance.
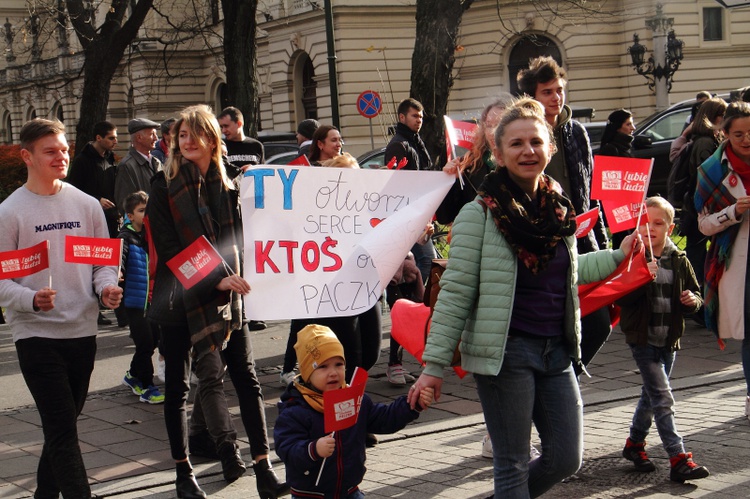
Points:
(374, 43)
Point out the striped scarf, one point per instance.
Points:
(713, 196)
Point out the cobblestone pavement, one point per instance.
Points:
(126, 451)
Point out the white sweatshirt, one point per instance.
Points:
(27, 219)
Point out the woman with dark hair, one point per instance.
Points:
(509, 294)
(722, 202)
(326, 144)
(706, 135)
(475, 164)
(618, 134)
(616, 141)
(193, 198)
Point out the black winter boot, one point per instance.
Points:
(269, 485)
(186, 484)
(231, 461)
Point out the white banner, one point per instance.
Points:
(324, 242)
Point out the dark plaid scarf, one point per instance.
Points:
(711, 194)
(212, 316)
(532, 227)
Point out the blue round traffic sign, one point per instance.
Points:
(369, 104)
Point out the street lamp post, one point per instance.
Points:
(666, 58)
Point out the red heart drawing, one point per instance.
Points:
(375, 221)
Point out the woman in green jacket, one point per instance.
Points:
(509, 294)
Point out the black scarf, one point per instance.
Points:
(532, 227)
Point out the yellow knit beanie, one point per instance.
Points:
(316, 344)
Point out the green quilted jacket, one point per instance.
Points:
(477, 291)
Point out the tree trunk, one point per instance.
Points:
(240, 59)
(432, 66)
(100, 67)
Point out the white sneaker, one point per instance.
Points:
(487, 447)
(160, 369)
(286, 378)
(397, 375)
(747, 407)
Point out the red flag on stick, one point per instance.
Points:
(93, 250)
(341, 407)
(458, 134)
(195, 262)
(23, 262)
(621, 184)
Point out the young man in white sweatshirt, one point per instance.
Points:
(52, 313)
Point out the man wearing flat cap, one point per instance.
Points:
(137, 167)
(305, 131)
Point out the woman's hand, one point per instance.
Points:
(325, 446)
(632, 243)
(234, 283)
(424, 382)
(451, 167)
(742, 205)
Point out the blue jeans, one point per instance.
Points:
(656, 402)
(536, 384)
(57, 372)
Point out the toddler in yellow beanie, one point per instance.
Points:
(299, 434)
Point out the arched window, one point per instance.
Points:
(7, 130)
(305, 88)
(30, 114)
(57, 112)
(221, 98)
(525, 49)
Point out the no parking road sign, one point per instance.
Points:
(369, 104)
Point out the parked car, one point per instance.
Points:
(282, 158)
(653, 137)
(278, 142)
(595, 129)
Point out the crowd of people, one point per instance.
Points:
(508, 294)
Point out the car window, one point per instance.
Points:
(668, 127)
(374, 162)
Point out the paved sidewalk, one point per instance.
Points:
(126, 451)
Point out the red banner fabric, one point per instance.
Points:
(93, 250)
(622, 281)
(585, 222)
(23, 262)
(300, 160)
(195, 262)
(341, 407)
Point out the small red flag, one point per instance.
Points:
(93, 250)
(623, 180)
(392, 163)
(341, 407)
(624, 216)
(585, 222)
(195, 262)
(300, 160)
(23, 262)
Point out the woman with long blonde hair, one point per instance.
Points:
(475, 164)
(193, 198)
